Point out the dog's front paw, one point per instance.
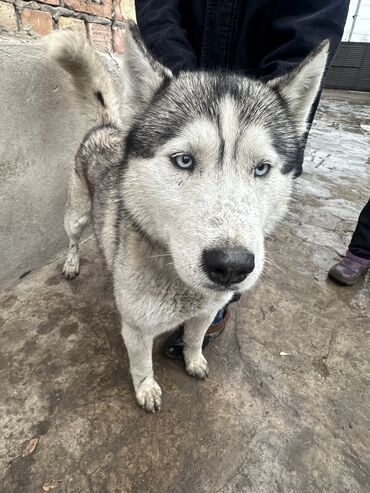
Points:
(149, 395)
(196, 366)
(71, 267)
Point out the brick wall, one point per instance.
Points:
(101, 20)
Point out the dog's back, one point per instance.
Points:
(94, 187)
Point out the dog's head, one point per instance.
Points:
(210, 161)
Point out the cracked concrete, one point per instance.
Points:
(286, 405)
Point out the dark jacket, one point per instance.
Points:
(263, 38)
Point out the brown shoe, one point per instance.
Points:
(349, 270)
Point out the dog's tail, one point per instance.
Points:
(93, 84)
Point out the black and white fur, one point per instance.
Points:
(152, 219)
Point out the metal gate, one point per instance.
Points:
(350, 68)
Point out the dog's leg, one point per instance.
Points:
(139, 347)
(194, 331)
(76, 218)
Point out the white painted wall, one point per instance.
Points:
(362, 27)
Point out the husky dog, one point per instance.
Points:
(183, 178)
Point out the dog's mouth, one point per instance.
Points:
(233, 288)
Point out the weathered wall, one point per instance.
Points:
(40, 127)
(101, 20)
(40, 124)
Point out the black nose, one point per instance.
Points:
(228, 265)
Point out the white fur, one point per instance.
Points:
(77, 57)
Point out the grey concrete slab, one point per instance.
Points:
(287, 404)
(41, 127)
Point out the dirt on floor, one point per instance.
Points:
(286, 407)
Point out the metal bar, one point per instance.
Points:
(354, 19)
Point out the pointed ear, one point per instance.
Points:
(143, 75)
(301, 86)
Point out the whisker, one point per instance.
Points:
(161, 255)
(269, 260)
(274, 264)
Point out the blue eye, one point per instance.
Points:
(183, 161)
(262, 169)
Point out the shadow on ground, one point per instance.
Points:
(286, 405)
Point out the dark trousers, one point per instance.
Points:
(360, 243)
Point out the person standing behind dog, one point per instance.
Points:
(258, 38)
(357, 260)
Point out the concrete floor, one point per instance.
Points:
(286, 407)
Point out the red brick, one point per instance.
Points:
(118, 16)
(103, 9)
(118, 39)
(100, 36)
(40, 22)
(71, 23)
(50, 2)
(8, 19)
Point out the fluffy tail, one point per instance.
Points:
(91, 80)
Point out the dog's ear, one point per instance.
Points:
(143, 75)
(301, 86)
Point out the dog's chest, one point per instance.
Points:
(157, 302)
